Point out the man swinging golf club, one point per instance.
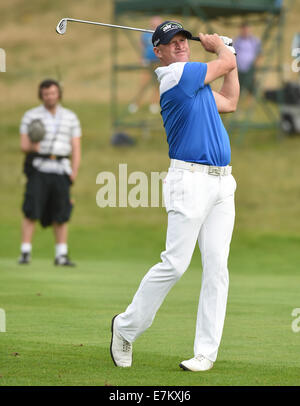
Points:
(198, 192)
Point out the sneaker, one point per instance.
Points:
(120, 349)
(198, 363)
(63, 260)
(25, 258)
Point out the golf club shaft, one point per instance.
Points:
(118, 26)
(110, 25)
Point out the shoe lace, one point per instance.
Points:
(126, 346)
(200, 357)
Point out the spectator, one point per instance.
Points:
(149, 61)
(49, 170)
(248, 49)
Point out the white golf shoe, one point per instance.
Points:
(196, 364)
(120, 349)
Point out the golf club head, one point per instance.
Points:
(62, 26)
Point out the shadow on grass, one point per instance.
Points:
(155, 369)
(60, 364)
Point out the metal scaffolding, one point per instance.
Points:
(268, 13)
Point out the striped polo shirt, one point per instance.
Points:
(60, 129)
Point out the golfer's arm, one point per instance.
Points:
(76, 156)
(28, 146)
(221, 66)
(228, 96)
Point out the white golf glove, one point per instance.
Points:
(228, 42)
(231, 48)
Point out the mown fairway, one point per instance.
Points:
(58, 322)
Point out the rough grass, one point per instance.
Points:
(266, 171)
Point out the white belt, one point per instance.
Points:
(210, 170)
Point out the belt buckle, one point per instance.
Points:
(52, 157)
(214, 170)
(192, 167)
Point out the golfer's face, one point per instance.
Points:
(50, 96)
(177, 50)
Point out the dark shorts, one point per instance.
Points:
(47, 198)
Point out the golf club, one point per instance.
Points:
(62, 28)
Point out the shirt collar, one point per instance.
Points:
(57, 113)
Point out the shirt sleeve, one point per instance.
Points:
(76, 128)
(24, 123)
(193, 77)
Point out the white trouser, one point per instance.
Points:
(200, 206)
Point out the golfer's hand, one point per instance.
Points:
(72, 177)
(211, 43)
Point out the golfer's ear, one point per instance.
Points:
(156, 50)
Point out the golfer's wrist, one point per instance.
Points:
(74, 174)
(220, 49)
(35, 147)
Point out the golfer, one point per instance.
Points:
(49, 171)
(198, 192)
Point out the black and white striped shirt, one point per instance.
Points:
(60, 129)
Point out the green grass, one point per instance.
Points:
(58, 320)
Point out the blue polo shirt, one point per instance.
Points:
(194, 129)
